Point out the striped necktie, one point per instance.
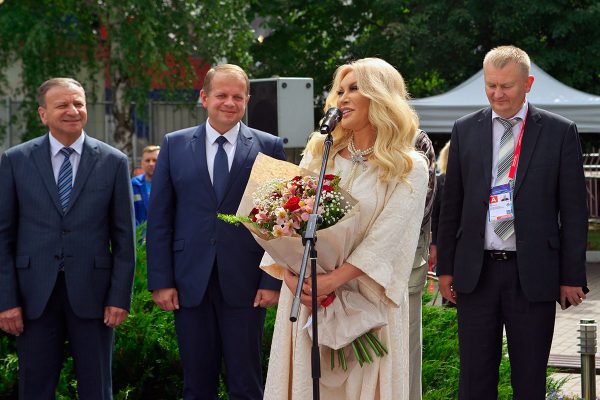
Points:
(65, 178)
(220, 169)
(504, 229)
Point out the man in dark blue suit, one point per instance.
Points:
(505, 263)
(67, 252)
(202, 268)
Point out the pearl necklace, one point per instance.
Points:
(358, 157)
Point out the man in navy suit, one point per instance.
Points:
(67, 248)
(202, 268)
(505, 263)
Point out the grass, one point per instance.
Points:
(594, 236)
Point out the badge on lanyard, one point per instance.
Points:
(501, 203)
(501, 196)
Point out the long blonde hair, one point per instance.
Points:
(442, 160)
(394, 120)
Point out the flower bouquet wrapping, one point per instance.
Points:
(275, 207)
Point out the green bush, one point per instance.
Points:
(440, 356)
(146, 360)
(8, 367)
(441, 361)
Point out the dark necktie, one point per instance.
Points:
(220, 169)
(65, 178)
(505, 155)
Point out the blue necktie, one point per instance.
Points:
(220, 169)
(65, 178)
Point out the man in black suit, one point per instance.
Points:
(67, 248)
(505, 265)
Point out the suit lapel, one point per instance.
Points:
(41, 157)
(242, 150)
(89, 157)
(485, 141)
(531, 133)
(198, 147)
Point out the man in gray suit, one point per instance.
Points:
(67, 253)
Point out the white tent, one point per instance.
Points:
(438, 113)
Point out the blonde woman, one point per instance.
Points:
(373, 154)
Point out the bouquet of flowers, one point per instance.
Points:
(282, 206)
(275, 208)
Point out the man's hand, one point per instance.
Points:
(114, 316)
(446, 289)
(266, 298)
(11, 321)
(572, 294)
(166, 299)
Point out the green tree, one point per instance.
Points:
(134, 43)
(308, 38)
(435, 44)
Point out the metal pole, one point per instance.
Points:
(587, 332)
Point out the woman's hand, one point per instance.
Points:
(326, 283)
(291, 282)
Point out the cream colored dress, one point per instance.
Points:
(384, 248)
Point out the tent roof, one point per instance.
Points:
(438, 113)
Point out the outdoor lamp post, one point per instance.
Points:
(587, 345)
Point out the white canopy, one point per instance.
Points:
(438, 113)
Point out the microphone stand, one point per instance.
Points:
(309, 241)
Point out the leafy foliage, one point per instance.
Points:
(138, 45)
(441, 364)
(435, 44)
(146, 360)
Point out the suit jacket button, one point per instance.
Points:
(56, 257)
(213, 241)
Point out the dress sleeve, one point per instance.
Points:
(387, 251)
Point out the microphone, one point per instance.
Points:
(332, 117)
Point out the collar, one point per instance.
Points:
(231, 135)
(55, 145)
(522, 113)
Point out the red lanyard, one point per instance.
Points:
(515, 160)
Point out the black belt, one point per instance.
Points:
(500, 255)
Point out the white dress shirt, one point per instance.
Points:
(57, 157)
(212, 146)
(493, 241)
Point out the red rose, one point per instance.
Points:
(329, 177)
(253, 214)
(296, 178)
(327, 188)
(292, 203)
